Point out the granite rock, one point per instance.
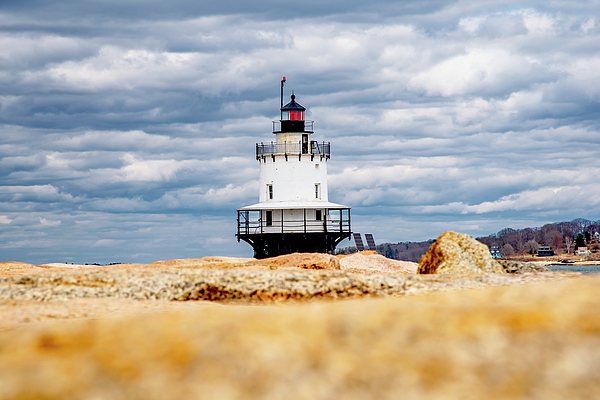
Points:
(376, 263)
(457, 253)
(301, 260)
(363, 252)
(529, 342)
(519, 267)
(241, 284)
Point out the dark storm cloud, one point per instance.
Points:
(128, 129)
(183, 9)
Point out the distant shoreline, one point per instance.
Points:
(583, 267)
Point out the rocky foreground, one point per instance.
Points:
(301, 327)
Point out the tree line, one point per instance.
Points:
(562, 237)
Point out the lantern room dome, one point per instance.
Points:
(293, 106)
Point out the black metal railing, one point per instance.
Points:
(294, 126)
(250, 223)
(322, 149)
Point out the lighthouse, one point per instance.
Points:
(293, 213)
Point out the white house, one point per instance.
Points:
(582, 251)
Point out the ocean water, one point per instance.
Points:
(584, 269)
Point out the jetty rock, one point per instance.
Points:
(457, 253)
(302, 261)
(519, 267)
(373, 263)
(527, 342)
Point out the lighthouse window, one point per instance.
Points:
(296, 116)
(270, 192)
(269, 218)
(317, 190)
(318, 215)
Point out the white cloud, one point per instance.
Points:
(480, 70)
(151, 170)
(547, 198)
(44, 193)
(45, 222)
(107, 243)
(471, 24)
(114, 67)
(18, 50)
(469, 116)
(587, 25)
(538, 24)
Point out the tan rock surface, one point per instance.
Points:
(518, 267)
(17, 268)
(376, 263)
(457, 253)
(301, 260)
(363, 252)
(204, 262)
(18, 313)
(538, 341)
(295, 260)
(182, 284)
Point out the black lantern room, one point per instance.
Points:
(292, 117)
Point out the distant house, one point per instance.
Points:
(495, 251)
(545, 251)
(582, 251)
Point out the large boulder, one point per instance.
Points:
(457, 253)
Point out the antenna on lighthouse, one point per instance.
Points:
(282, 83)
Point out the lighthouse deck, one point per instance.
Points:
(272, 149)
(272, 232)
(298, 220)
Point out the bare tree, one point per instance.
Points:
(518, 244)
(568, 243)
(547, 234)
(505, 233)
(556, 243)
(531, 246)
(581, 224)
(528, 234)
(593, 228)
(507, 250)
(488, 241)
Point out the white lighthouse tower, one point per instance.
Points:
(294, 213)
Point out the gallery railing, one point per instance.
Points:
(322, 149)
(250, 223)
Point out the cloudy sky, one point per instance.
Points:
(127, 128)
